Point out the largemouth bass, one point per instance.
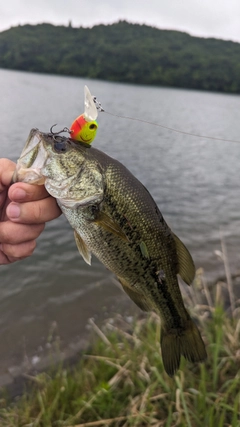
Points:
(115, 218)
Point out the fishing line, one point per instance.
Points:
(100, 108)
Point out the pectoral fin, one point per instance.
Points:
(186, 265)
(104, 221)
(82, 247)
(139, 299)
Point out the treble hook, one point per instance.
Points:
(57, 133)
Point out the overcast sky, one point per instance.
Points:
(204, 18)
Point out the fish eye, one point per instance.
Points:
(92, 126)
(60, 146)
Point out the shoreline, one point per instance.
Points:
(20, 376)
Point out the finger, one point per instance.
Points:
(5, 260)
(13, 234)
(7, 168)
(21, 192)
(36, 212)
(16, 252)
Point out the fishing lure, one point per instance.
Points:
(84, 128)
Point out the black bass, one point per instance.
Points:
(115, 218)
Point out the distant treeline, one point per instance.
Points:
(124, 52)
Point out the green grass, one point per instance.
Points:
(121, 382)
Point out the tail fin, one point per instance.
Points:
(187, 342)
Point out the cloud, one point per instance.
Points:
(216, 18)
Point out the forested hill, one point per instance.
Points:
(124, 52)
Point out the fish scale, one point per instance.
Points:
(115, 218)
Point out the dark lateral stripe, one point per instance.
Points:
(163, 289)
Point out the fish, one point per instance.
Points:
(84, 127)
(115, 218)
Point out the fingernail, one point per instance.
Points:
(13, 211)
(19, 194)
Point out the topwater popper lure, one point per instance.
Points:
(84, 127)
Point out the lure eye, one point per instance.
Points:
(92, 126)
(60, 146)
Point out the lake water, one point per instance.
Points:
(195, 182)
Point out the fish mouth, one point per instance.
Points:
(32, 160)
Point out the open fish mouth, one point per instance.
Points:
(37, 153)
(33, 158)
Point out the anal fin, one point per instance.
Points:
(139, 299)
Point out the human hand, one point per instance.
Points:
(24, 209)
